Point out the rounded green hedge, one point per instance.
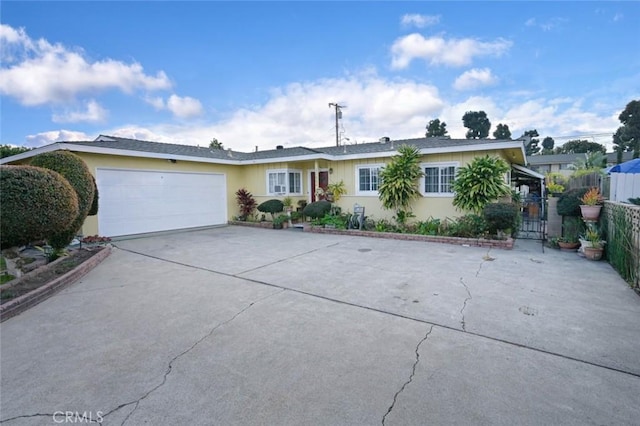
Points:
(74, 170)
(271, 206)
(569, 202)
(317, 209)
(500, 216)
(35, 203)
(94, 204)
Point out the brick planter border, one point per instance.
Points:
(20, 304)
(265, 224)
(474, 242)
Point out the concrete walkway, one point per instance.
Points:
(242, 326)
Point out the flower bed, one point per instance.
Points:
(474, 242)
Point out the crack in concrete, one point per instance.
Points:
(413, 373)
(464, 304)
(484, 259)
(26, 416)
(181, 354)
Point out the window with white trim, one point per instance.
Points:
(368, 179)
(438, 178)
(284, 182)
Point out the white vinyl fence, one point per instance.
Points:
(624, 186)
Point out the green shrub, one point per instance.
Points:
(94, 204)
(500, 216)
(271, 206)
(430, 226)
(399, 182)
(467, 226)
(569, 202)
(338, 221)
(35, 203)
(76, 172)
(479, 183)
(317, 209)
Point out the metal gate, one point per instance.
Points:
(533, 219)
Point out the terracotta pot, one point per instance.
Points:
(590, 212)
(593, 253)
(564, 246)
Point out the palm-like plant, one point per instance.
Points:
(399, 186)
(479, 183)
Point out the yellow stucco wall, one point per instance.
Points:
(424, 207)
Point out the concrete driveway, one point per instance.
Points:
(241, 326)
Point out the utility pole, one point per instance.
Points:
(338, 116)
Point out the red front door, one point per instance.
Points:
(324, 182)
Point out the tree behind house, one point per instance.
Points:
(436, 128)
(532, 147)
(502, 132)
(477, 123)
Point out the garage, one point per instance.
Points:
(140, 201)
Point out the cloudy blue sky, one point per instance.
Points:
(263, 73)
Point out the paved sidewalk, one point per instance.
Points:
(249, 326)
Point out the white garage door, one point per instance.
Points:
(139, 201)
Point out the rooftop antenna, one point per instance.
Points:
(338, 109)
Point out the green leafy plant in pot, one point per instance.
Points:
(594, 251)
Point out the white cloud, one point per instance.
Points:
(548, 25)
(46, 138)
(298, 115)
(475, 78)
(93, 113)
(181, 107)
(617, 17)
(184, 107)
(439, 51)
(36, 72)
(419, 21)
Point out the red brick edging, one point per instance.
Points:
(475, 242)
(20, 304)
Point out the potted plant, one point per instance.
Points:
(337, 190)
(287, 203)
(278, 221)
(596, 246)
(569, 240)
(591, 204)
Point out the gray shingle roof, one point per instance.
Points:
(114, 142)
(119, 143)
(571, 158)
(420, 143)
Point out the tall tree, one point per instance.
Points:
(580, 146)
(620, 145)
(477, 123)
(630, 119)
(9, 150)
(502, 132)
(436, 128)
(547, 145)
(532, 147)
(593, 160)
(215, 144)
